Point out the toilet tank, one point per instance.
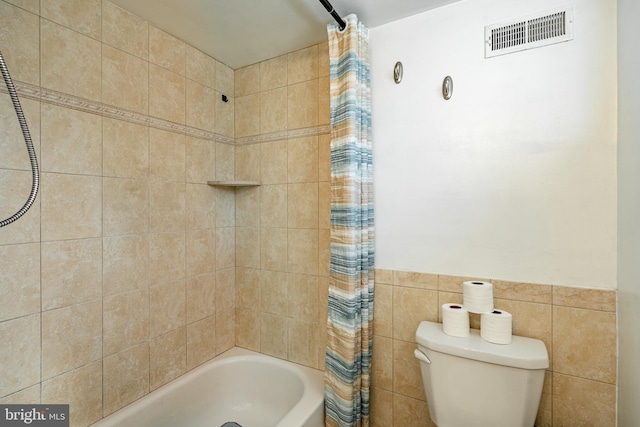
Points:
(470, 382)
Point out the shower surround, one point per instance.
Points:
(130, 270)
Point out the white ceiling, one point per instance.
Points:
(244, 32)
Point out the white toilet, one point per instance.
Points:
(470, 382)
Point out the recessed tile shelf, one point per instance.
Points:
(234, 183)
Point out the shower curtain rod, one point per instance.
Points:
(332, 11)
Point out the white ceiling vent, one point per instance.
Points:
(542, 29)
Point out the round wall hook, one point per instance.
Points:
(447, 87)
(397, 72)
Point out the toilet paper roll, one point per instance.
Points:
(455, 320)
(496, 326)
(477, 296)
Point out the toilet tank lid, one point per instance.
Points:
(523, 352)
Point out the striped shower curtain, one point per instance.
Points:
(350, 320)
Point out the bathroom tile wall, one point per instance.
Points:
(577, 325)
(121, 277)
(282, 234)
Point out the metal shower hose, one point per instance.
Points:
(27, 139)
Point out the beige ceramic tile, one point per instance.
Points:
(303, 342)
(324, 101)
(166, 51)
(166, 155)
(200, 67)
(273, 162)
(273, 202)
(302, 106)
(225, 162)
(125, 207)
(454, 283)
(273, 110)
(32, 6)
(71, 337)
(324, 157)
(273, 73)
(225, 330)
(19, 280)
(126, 320)
(409, 412)
(125, 149)
(248, 162)
(302, 204)
(248, 207)
(384, 276)
(200, 106)
(124, 30)
(224, 79)
(273, 291)
(201, 297)
(83, 16)
(125, 377)
(225, 289)
(302, 65)
(248, 247)
(273, 335)
(382, 363)
(201, 206)
(71, 272)
(247, 288)
(302, 251)
(71, 206)
(166, 257)
(81, 389)
(407, 379)
(225, 116)
(522, 291)
(415, 280)
(381, 408)
(383, 310)
(12, 143)
(27, 396)
(273, 249)
(166, 206)
(201, 252)
(20, 361)
(302, 164)
(70, 61)
(166, 94)
(592, 299)
(247, 115)
(16, 187)
(167, 357)
(323, 59)
(125, 80)
(201, 341)
(71, 141)
(584, 343)
(324, 253)
(247, 80)
(302, 297)
(248, 329)
(225, 247)
(167, 307)
(20, 42)
(126, 264)
(580, 402)
(410, 307)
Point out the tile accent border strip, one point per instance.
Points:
(49, 96)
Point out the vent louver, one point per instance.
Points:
(529, 32)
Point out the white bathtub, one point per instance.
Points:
(239, 386)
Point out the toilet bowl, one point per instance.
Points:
(470, 382)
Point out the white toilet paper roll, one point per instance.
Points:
(477, 296)
(496, 326)
(455, 320)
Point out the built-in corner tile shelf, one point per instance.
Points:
(234, 183)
